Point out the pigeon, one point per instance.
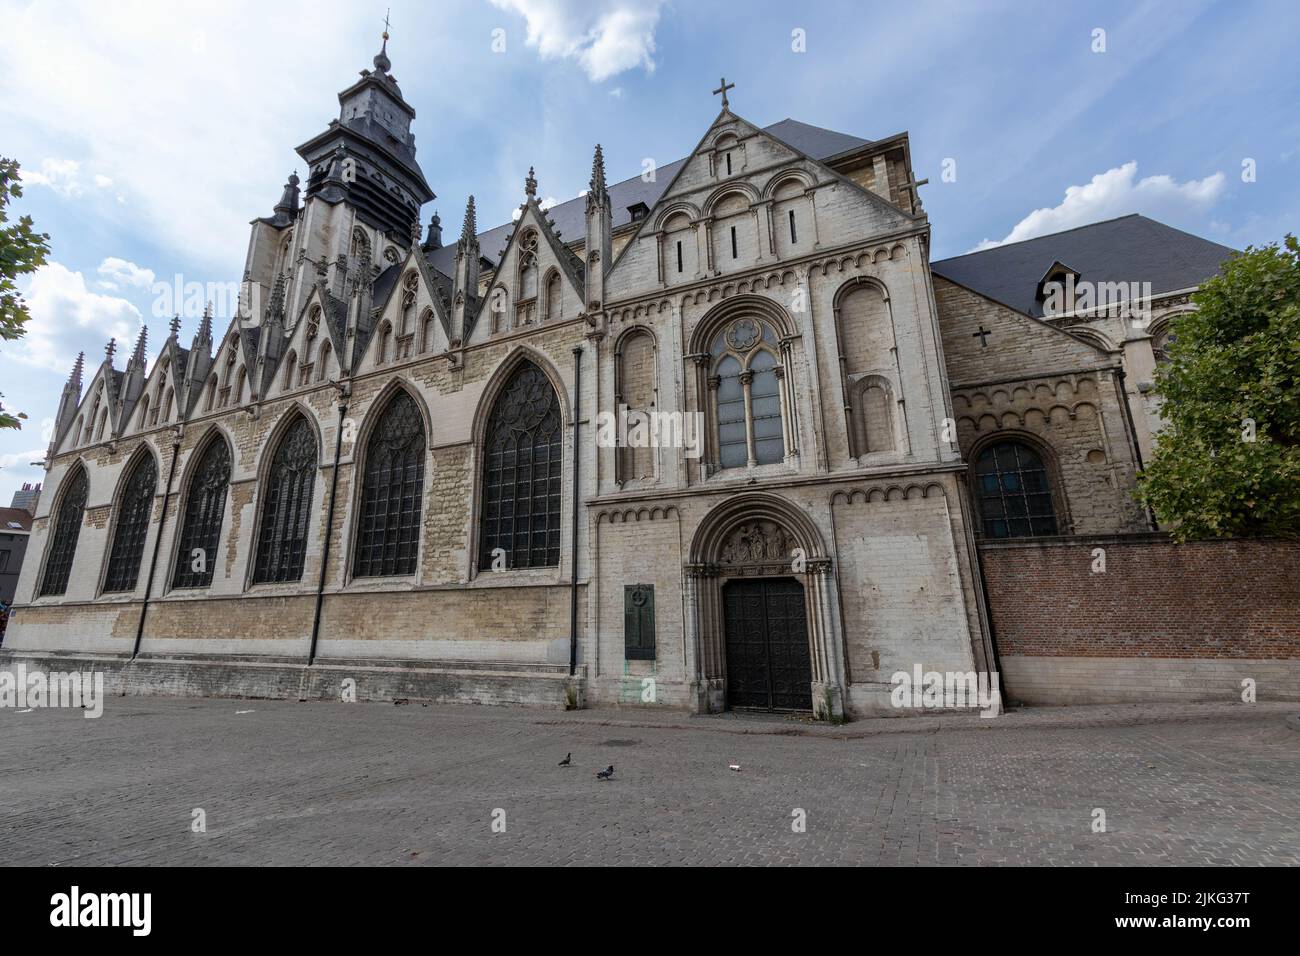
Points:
(568, 758)
(606, 773)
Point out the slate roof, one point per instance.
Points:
(570, 217)
(1131, 248)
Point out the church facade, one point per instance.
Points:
(395, 465)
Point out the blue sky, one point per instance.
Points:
(150, 136)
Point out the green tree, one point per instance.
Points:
(1227, 462)
(22, 251)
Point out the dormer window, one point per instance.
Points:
(1057, 289)
(638, 211)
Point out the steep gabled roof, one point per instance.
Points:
(1131, 248)
(570, 217)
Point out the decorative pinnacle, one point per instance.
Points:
(109, 350)
(175, 324)
(138, 355)
(75, 377)
(469, 229)
(597, 183)
(530, 184)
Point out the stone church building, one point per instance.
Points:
(389, 467)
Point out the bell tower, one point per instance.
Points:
(366, 158)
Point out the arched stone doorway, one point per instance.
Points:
(761, 628)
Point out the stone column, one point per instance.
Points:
(746, 381)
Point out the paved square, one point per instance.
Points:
(310, 783)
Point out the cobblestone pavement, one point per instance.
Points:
(294, 783)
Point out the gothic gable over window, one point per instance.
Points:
(205, 502)
(134, 509)
(388, 533)
(523, 457)
(286, 512)
(67, 528)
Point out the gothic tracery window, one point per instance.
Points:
(523, 456)
(282, 537)
(388, 534)
(67, 528)
(204, 506)
(746, 385)
(134, 510)
(1013, 492)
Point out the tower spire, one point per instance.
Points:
(382, 63)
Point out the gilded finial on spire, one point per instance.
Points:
(382, 63)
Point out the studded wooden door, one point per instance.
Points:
(768, 664)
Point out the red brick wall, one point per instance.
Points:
(1210, 599)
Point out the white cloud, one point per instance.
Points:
(57, 174)
(198, 147)
(1118, 192)
(66, 317)
(606, 37)
(119, 272)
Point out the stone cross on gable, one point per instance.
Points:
(722, 88)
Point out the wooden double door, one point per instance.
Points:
(769, 666)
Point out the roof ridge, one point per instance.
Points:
(1047, 235)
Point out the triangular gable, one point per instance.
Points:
(693, 180)
(560, 257)
(984, 340)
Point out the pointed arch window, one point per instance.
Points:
(201, 531)
(1014, 492)
(282, 538)
(67, 528)
(523, 458)
(134, 510)
(392, 485)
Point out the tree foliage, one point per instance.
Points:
(22, 251)
(1227, 462)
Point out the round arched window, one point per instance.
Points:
(1013, 492)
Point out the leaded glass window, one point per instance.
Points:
(747, 394)
(282, 537)
(523, 456)
(196, 558)
(388, 535)
(134, 510)
(67, 528)
(1014, 492)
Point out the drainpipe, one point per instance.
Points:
(573, 536)
(344, 392)
(157, 541)
(1132, 436)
